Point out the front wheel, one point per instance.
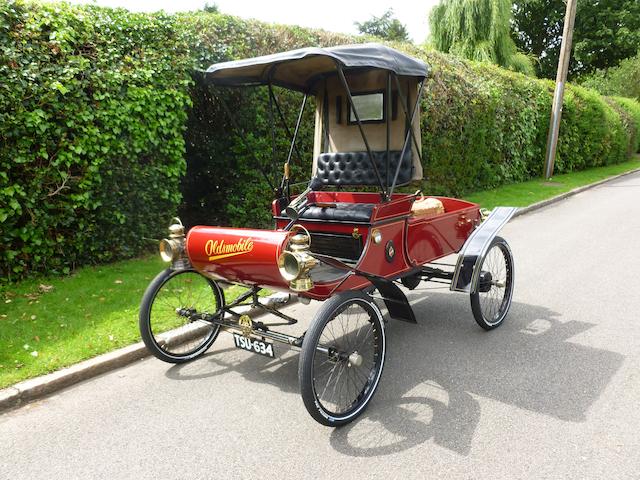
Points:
(169, 321)
(492, 299)
(342, 358)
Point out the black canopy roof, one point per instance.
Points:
(299, 69)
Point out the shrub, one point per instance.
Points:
(484, 126)
(481, 126)
(622, 80)
(629, 110)
(92, 110)
(591, 133)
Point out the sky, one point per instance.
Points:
(333, 15)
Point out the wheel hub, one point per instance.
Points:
(355, 359)
(185, 312)
(485, 281)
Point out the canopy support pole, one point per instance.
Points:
(388, 115)
(325, 120)
(364, 137)
(405, 109)
(273, 132)
(407, 138)
(282, 119)
(285, 178)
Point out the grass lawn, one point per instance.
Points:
(47, 324)
(526, 193)
(93, 311)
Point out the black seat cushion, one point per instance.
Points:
(354, 168)
(344, 212)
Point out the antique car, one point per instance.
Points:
(349, 240)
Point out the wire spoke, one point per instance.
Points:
(495, 301)
(187, 291)
(352, 334)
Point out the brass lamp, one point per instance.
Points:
(296, 262)
(172, 248)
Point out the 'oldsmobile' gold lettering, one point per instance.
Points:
(217, 249)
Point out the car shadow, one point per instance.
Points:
(281, 371)
(436, 369)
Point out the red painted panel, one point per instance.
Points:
(398, 206)
(430, 238)
(374, 259)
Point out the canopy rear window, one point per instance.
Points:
(370, 107)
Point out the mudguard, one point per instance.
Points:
(465, 275)
(395, 300)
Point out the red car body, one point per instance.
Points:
(250, 256)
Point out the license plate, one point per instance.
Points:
(254, 345)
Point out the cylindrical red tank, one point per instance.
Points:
(238, 254)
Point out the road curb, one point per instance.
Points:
(550, 201)
(38, 387)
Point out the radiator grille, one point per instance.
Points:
(337, 245)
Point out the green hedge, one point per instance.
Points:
(92, 111)
(98, 113)
(484, 126)
(629, 111)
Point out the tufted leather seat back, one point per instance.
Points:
(354, 168)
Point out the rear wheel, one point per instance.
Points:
(342, 358)
(492, 299)
(169, 321)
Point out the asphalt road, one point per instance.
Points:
(553, 393)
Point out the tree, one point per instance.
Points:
(606, 32)
(622, 80)
(385, 27)
(211, 8)
(478, 30)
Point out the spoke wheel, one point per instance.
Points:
(492, 299)
(342, 358)
(168, 319)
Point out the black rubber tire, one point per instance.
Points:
(505, 302)
(327, 312)
(146, 310)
